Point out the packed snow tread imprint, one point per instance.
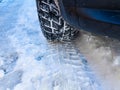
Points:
(73, 72)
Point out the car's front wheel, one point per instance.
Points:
(53, 26)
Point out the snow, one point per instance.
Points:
(1, 73)
(29, 62)
(116, 62)
(103, 56)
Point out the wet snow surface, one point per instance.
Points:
(29, 62)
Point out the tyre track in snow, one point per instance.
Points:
(46, 65)
(74, 72)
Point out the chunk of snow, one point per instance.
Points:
(1, 62)
(1, 73)
(117, 61)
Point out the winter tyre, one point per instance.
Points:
(53, 26)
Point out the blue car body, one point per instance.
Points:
(101, 17)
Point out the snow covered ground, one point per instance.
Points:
(103, 56)
(29, 62)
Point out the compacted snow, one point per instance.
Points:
(103, 56)
(29, 62)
